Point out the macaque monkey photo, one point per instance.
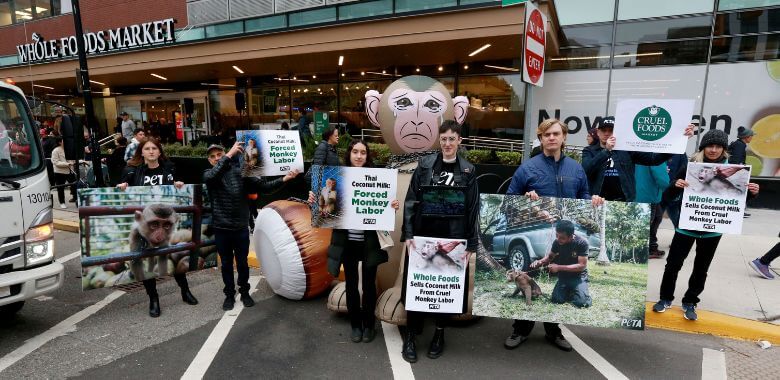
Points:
(524, 283)
(153, 228)
(443, 256)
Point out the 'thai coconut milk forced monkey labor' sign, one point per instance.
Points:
(714, 200)
(270, 152)
(353, 198)
(652, 125)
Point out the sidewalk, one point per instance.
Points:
(736, 302)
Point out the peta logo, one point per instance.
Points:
(434, 306)
(709, 226)
(652, 123)
(369, 221)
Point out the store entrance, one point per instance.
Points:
(161, 118)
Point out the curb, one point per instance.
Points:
(712, 323)
(64, 225)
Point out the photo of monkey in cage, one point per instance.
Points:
(142, 233)
(327, 186)
(563, 260)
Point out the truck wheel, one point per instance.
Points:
(518, 258)
(11, 309)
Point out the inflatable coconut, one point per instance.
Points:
(293, 255)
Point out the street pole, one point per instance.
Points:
(97, 169)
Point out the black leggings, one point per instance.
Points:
(61, 179)
(771, 255)
(681, 247)
(361, 316)
(151, 284)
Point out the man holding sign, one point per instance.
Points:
(444, 175)
(712, 149)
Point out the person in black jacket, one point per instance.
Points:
(738, 149)
(445, 168)
(150, 167)
(228, 189)
(350, 247)
(116, 161)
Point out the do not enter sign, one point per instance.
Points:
(533, 53)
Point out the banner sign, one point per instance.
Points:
(270, 152)
(653, 125)
(562, 260)
(436, 275)
(353, 198)
(104, 41)
(714, 200)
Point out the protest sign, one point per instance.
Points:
(270, 152)
(353, 198)
(436, 275)
(147, 233)
(532, 268)
(714, 200)
(652, 125)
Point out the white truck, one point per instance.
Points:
(27, 265)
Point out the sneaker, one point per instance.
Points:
(229, 302)
(762, 270)
(560, 342)
(63, 206)
(357, 334)
(661, 306)
(247, 300)
(689, 310)
(514, 340)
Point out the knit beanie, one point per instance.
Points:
(743, 132)
(716, 137)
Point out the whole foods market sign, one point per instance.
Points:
(104, 41)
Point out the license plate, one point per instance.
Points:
(5, 291)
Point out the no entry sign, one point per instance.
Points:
(533, 52)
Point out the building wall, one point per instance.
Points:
(95, 15)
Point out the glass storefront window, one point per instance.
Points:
(572, 12)
(664, 29)
(633, 9)
(366, 9)
(495, 106)
(43, 8)
(5, 13)
(224, 29)
(23, 9)
(265, 23)
(661, 53)
(587, 35)
(746, 48)
(580, 58)
(725, 5)
(313, 17)
(753, 21)
(417, 5)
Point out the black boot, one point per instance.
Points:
(409, 350)
(154, 306)
(187, 297)
(437, 344)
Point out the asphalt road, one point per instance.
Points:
(279, 338)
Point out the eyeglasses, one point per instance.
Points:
(451, 139)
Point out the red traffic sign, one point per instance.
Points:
(533, 52)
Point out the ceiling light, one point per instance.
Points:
(417, 69)
(465, 67)
(238, 69)
(314, 76)
(218, 84)
(475, 52)
(441, 68)
(341, 60)
(295, 78)
(342, 74)
(159, 76)
(96, 82)
(362, 73)
(42, 86)
(156, 89)
(384, 72)
(502, 68)
(58, 95)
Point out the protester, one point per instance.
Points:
(738, 149)
(118, 125)
(138, 136)
(326, 154)
(303, 127)
(150, 167)
(611, 172)
(712, 149)
(761, 264)
(350, 247)
(116, 161)
(593, 136)
(549, 174)
(651, 181)
(445, 168)
(285, 126)
(128, 126)
(227, 189)
(62, 172)
(49, 142)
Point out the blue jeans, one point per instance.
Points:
(230, 245)
(574, 290)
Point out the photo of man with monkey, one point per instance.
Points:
(568, 257)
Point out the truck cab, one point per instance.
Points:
(27, 265)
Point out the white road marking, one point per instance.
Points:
(202, 361)
(69, 256)
(393, 341)
(713, 364)
(60, 329)
(597, 361)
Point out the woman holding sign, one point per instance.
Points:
(712, 149)
(350, 247)
(437, 172)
